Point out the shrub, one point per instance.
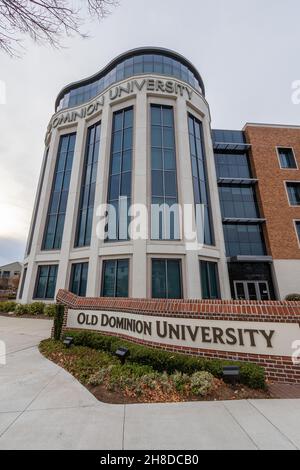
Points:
(180, 380)
(58, 322)
(293, 298)
(22, 309)
(252, 375)
(36, 308)
(7, 307)
(201, 383)
(49, 310)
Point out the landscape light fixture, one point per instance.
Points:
(68, 341)
(231, 374)
(122, 353)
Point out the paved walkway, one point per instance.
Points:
(44, 407)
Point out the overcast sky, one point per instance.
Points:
(247, 52)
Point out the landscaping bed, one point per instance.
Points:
(149, 375)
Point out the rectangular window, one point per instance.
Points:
(243, 239)
(59, 194)
(209, 280)
(115, 278)
(294, 193)
(163, 174)
(23, 283)
(297, 224)
(199, 174)
(238, 201)
(287, 158)
(166, 279)
(120, 175)
(88, 185)
(78, 280)
(232, 165)
(46, 282)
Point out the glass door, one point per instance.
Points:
(251, 290)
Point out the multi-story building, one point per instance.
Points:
(139, 133)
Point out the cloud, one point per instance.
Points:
(11, 250)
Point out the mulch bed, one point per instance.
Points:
(220, 392)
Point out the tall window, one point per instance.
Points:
(166, 279)
(46, 282)
(115, 278)
(87, 197)
(78, 281)
(119, 189)
(163, 172)
(243, 239)
(238, 201)
(287, 158)
(294, 193)
(199, 173)
(59, 194)
(209, 280)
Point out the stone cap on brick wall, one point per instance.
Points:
(183, 307)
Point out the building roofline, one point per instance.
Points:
(127, 55)
(283, 126)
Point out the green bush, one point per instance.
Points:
(36, 308)
(7, 307)
(50, 310)
(293, 298)
(252, 375)
(22, 309)
(201, 383)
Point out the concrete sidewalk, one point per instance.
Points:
(44, 407)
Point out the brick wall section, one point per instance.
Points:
(278, 368)
(280, 232)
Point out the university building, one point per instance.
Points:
(140, 131)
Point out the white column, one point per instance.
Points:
(139, 174)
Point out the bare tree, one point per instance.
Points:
(46, 21)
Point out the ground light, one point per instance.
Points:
(122, 353)
(231, 374)
(68, 341)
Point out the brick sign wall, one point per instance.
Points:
(266, 333)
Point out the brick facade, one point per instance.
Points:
(280, 234)
(278, 368)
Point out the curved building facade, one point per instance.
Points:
(137, 133)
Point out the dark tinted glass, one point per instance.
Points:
(238, 201)
(115, 278)
(294, 193)
(209, 280)
(120, 178)
(78, 281)
(200, 182)
(139, 64)
(163, 164)
(87, 197)
(243, 239)
(287, 158)
(166, 279)
(59, 194)
(232, 165)
(46, 282)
